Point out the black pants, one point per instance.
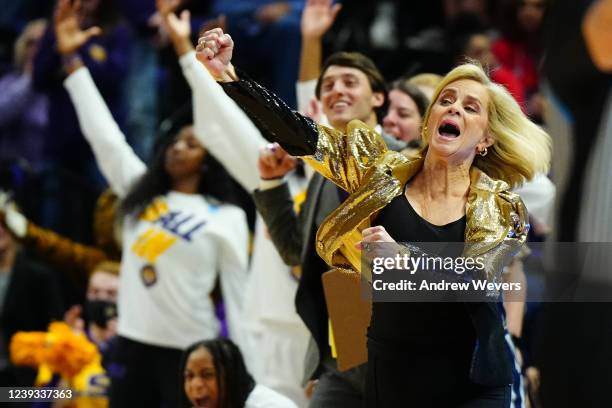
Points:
(144, 375)
(337, 389)
(432, 380)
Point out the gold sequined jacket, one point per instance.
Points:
(360, 163)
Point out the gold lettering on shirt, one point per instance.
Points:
(153, 243)
(157, 209)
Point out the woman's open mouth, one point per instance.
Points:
(449, 129)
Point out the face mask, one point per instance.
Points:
(100, 311)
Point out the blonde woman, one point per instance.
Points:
(478, 145)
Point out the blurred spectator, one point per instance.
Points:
(520, 48)
(72, 181)
(407, 106)
(23, 111)
(106, 56)
(426, 82)
(14, 17)
(432, 46)
(214, 375)
(176, 242)
(454, 9)
(272, 30)
(99, 323)
(477, 46)
(29, 301)
(579, 87)
(74, 259)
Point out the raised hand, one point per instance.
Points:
(69, 35)
(165, 7)
(214, 51)
(179, 28)
(271, 13)
(274, 162)
(318, 17)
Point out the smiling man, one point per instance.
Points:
(351, 87)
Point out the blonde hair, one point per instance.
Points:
(426, 79)
(520, 149)
(108, 267)
(19, 52)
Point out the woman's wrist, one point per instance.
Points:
(71, 62)
(182, 46)
(229, 75)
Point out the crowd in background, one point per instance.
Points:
(61, 237)
(141, 81)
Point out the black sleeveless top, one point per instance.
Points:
(395, 324)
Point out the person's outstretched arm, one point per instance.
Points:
(277, 208)
(219, 124)
(317, 18)
(116, 159)
(341, 157)
(63, 254)
(275, 119)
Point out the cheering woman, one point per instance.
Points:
(179, 235)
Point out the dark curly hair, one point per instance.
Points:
(234, 381)
(214, 182)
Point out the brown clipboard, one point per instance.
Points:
(350, 316)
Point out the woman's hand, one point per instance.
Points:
(165, 7)
(274, 162)
(68, 32)
(178, 29)
(383, 246)
(374, 234)
(214, 51)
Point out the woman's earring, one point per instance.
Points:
(483, 152)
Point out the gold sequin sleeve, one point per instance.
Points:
(497, 229)
(346, 158)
